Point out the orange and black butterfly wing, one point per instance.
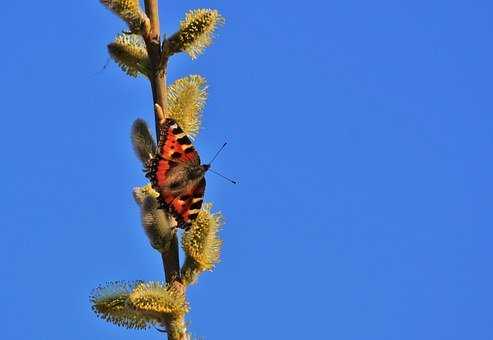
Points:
(174, 144)
(186, 206)
(175, 149)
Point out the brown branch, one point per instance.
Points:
(171, 262)
(152, 11)
(157, 78)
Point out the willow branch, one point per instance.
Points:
(157, 79)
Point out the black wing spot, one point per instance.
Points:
(189, 150)
(196, 205)
(175, 155)
(192, 216)
(183, 140)
(177, 130)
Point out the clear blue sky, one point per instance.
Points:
(361, 133)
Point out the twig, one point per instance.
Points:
(158, 68)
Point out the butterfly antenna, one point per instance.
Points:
(104, 67)
(221, 175)
(217, 153)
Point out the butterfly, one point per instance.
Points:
(176, 173)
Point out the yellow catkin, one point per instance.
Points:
(129, 52)
(196, 32)
(201, 242)
(130, 12)
(149, 190)
(186, 100)
(141, 193)
(158, 300)
(110, 302)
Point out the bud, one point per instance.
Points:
(159, 226)
(142, 141)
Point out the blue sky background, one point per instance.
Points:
(361, 133)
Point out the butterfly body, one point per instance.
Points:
(177, 174)
(183, 178)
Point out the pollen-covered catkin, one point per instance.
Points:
(196, 32)
(129, 52)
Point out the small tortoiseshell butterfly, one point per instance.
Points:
(176, 174)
